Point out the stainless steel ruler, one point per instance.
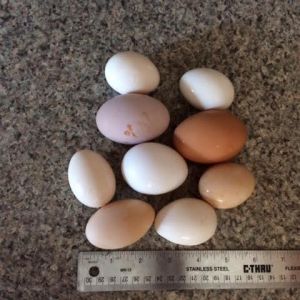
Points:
(180, 270)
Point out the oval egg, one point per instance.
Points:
(207, 89)
(226, 185)
(131, 72)
(153, 169)
(186, 221)
(119, 224)
(132, 118)
(91, 178)
(210, 136)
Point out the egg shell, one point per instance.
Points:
(186, 221)
(119, 224)
(210, 136)
(131, 72)
(207, 89)
(91, 178)
(226, 185)
(132, 118)
(153, 169)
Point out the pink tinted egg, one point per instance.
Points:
(132, 118)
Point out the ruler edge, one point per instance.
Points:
(81, 255)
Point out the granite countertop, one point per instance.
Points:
(52, 83)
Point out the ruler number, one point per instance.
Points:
(100, 279)
(88, 280)
(159, 278)
(194, 278)
(112, 279)
(249, 278)
(226, 259)
(171, 278)
(147, 279)
(226, 277)
(282, 277)
(205, 278)
(293, 277)
(238, 278)
(182, 278)
(169, 260)
(124, 279)
(260, 277)
(140, 260)
(271, 277)
(136, 279)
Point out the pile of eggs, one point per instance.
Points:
(212, 136)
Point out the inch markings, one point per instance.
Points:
(210, 269)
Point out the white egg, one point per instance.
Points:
(91, 178)
(207, 89)
(131, 72)
(186, 221)
(153, 168)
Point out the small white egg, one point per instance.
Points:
(153, 169)
(91, 178)
(186, 221)
(131, 72)
(207, 89)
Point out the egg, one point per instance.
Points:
(226, 185)
(186, 221)
(210, 136)
(91, 178)
(131, 72)
(132, 118)
(207, 89)
(153, 169)
(119, 224)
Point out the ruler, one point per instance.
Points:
(180, 270)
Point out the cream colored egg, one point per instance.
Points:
(186, 221)
(153, 168)
(206, 88)
(91, 178)
(119, 224)
(131, 72)
(226, 185)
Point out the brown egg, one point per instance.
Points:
(210, 136)
(226, 185)
(119, 224)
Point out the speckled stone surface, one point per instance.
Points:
(52, 57)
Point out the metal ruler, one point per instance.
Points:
(180, 270)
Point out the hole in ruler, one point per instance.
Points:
(94, 271)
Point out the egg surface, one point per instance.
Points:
(186, 221)
(131, 72)
(119, 224)
(132, 118)
(153, 168)
(91, 178)
(207, 89)
(210, 136)
(226, 185)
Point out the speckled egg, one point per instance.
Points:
(132, 118)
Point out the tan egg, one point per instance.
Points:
(210, 136)
(226, 185)
(119, 224)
